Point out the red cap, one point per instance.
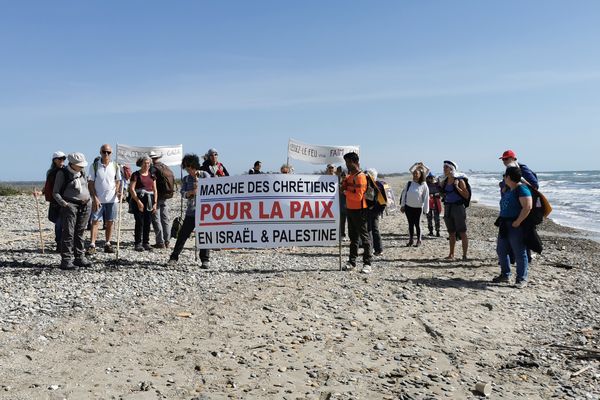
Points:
(508, 154)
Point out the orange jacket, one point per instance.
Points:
(355, 186)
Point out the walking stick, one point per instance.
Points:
(119, 221)
(37, 206)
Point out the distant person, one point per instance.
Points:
(255, 169)
(330, 170)
(355, 187)
(285, 169)
(514, 208)
(104, 181)
(212, 164)
(58, 163)
(189, 186)
(343, 215)
(454, 190)
(509, 159)
(376, 203)
(414, 201)
(165, 188)
(435, 204)
(72, 194)
(144, 197)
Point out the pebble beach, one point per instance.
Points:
(288, 324)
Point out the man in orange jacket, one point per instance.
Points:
(355, 187)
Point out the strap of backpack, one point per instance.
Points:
(406, 191)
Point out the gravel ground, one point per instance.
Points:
(286, 323)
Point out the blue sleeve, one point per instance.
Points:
(529, 176)
(524, 191)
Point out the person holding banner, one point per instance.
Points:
(212, 164)
(189, 186)
(355, 187)
(144, 197)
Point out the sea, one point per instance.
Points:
(574, 196)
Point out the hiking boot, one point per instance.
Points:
(205, 265)
(366, 269)
(437, 233)
(147, 247)
(172, 262)
(521, 284)
(91, 250)
(167, 244)
(138, 247)
(348, 267)
(159, 246)
(108, 248)
(82, 262)
(410, 243)
(418, 244)
(501, 279)
(67, 265)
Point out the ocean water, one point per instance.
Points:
(574, 195)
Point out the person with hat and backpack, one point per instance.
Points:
(58, 163)
(165, 187)
(72, 194)
(457, 194)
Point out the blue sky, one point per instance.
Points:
(405, 80)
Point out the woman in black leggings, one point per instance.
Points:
(414, 201)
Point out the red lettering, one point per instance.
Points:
(327, 212)
(204, 209)
(218, 211)
(294, 208)
(307, 211)
(261, 211)
(276, 210)
(245, 207)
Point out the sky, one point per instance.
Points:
(405, 80)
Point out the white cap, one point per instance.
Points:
(77, 159)
(58, 154)
(153, 155)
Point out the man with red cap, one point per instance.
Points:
(509, 158)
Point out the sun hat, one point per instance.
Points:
(212, 151)
(508, 154)
(77, 159)
(154, 155)
(59, 154)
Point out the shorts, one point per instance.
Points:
(106, 212)
(455, 217)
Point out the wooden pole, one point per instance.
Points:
(37, 206)
(120, 212)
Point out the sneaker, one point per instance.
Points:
(348, 267)
(159, 246)
(167, 244)
(172, 262)
(366, 269)
(410, 243)
(108, 248)
(91, 250)
(418, 244)
(67, 265)
(138, 247)
(378, 253)
(501, 279)
(82, 262)
(437, 234)
(205, 265)
(147, 247)
(522, 284)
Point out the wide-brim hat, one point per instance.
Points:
(154, 155)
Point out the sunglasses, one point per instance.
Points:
(106, 152)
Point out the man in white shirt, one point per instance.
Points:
(104, 182)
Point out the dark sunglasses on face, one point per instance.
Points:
(106, 152)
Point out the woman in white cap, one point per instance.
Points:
(72, 194)
(58, 163)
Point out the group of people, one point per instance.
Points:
(78, 199)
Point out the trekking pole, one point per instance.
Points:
(37, 206)
(119, 221)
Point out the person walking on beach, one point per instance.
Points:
(255, 169)
(58, 163)
(343, 215)
(71, 192)
(455, 191)
(165, 186)
(515, 205)
(189, 186)
(509, 159)
(414, 201)
(355, 187)
(376, 204)
(435, 204)
(144, 197)
(212, 164)
(104, 184)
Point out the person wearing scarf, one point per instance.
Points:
(144, 196)
(71, 193)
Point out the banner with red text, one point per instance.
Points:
(267, 210)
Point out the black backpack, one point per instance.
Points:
(466, 202)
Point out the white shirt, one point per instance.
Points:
(416, 196)
(105, 181)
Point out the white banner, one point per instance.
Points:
(316, 154)
(171, 155)
(267, 210)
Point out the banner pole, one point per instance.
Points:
(37, 206)
(120, 211)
